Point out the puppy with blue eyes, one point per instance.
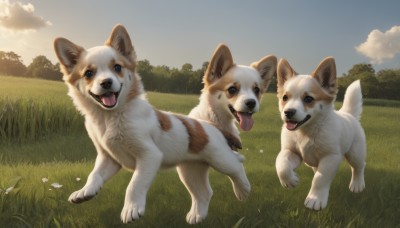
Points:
(314, 132)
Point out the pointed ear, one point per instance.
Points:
(120, 41)
(326, 75)
(67, 53)
(267, 68)
(284, 72)
(220, 63)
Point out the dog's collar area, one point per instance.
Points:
(293, 125)
(108, 99)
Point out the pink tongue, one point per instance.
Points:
(109, 100)
(246, 121)
(291, 125)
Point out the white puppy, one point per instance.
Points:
(231, 93)
(317, 134)
(128, 132)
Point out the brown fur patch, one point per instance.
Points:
(198, 138)
(320, 94)
(163, 119)
(233, 142)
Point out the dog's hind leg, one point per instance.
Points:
(356, 158)
(104, 168)
(194, 176)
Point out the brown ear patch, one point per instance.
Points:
(163, 119)
(325, 74)
(284, 73)
(198, 138)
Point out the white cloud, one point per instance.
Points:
(380, 46)
(20, 17)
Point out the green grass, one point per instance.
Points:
(63, 155)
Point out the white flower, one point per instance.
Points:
(78, 179)
(56, 185)
(45, 179)
(261, 151)
(8, 190)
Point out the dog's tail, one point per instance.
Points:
(352, 102)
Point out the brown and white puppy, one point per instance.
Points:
(317, 134)
(128, 132)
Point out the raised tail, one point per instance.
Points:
(352, 102)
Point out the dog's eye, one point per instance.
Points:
(285, 98)
(88, 73)
(117, 68)
(256, 90)
(232, 90)
(308, 99)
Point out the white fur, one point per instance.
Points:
(213, 107)
(323, 141)
(129, 135)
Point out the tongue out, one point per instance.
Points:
(291, 125)
(246, 121)
(109, 99)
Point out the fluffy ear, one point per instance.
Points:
(284, 72)
(325, 74)
(220, 63)
(67, 53)
(267, 68)
(120, 41)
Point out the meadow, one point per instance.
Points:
(45, 155)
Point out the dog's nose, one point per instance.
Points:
(251, 103)
(106, 83)
(289, 113)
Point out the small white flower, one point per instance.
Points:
(56, 185)
(45, 179)
(78, 179)
(8, 190)
(261, 151)
(50, 189)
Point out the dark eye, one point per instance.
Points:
(232, 90)
(88, 73)
(256, 90)
(117, 68)
(308, 99)
(285, 98)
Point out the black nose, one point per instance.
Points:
(106, 83)
(290, 113)
(251, 103)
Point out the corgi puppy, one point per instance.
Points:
(129, 133)
(315, 133)
(231, 94)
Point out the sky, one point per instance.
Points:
(176, 32)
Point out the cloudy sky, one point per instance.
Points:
(176, 32)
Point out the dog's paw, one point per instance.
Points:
(132, 212)
(316, 202)
(242, 191)
(289, 179)
(82, 195)
(194, 217)
(357, 186)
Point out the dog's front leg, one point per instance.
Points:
(317, 198)
(147, 165)
(104, 168)
(286, 163)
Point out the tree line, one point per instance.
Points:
(383, 84)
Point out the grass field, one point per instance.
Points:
(63, 153)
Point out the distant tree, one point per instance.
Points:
(389, 83)
(11, 64)
(187, 67)
(41, 67)
(361, 68)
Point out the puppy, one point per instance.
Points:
(317, 134)
(231, 94)
(128, 132)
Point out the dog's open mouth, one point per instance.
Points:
(245, 119)
(293, 125)
(107, 100)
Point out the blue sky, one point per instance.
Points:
(176, 32)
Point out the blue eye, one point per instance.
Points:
(308, 99)
(88, 74)
(117, 68)
(232, 90)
